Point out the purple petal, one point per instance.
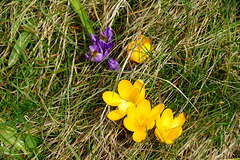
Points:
(105, 45)
(113, 64)
(99, 48)
(106, 53)
(92, 48)
(109, 34)
(94, 38)
(101, 33)
(102, 44)
(96, 47)
(109, 45)
(98, 58)
(88, 56)
(110, 38)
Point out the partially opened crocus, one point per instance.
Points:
(167, 128)
(129, 96)
(140, 49)
(101, 47)
(142, 118)
(113, 64)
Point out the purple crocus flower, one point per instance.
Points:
(113, 64)
(105, 40)
(102, 46)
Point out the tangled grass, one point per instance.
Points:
(51, 96)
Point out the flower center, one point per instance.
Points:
(104, 38)
(141, 120)
(93, 55)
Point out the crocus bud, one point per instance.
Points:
(113, 64)
(140, 49)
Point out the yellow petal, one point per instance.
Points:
(168, 141)
(180, 132)
(140, 85)
(146, 48)
(124, 89)
(146, 42)
(174, 133)
(150, 124)
(139, 50)
(159, 134)
(179, 121)
(130, 122)
(138, 43)
(145, 39)
(138, 136)
(142, 111)
(115, 115)
(145, 52)
(111, 98)
(155, 112)
(125, 106)
(166, 120)
(134, 95)
(134, 51)
(162, 137)
(136, 56)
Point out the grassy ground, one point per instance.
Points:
(51, 96)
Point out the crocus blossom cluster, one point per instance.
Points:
(140, 117)
(140, 50)
(101, 48)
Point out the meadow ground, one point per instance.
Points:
(51, 103)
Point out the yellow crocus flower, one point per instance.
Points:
(167, 128)
(140, 50)
(129, 96)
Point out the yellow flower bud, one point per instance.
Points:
(140, 50)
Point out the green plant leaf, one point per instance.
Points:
(20, 45)
(87, 23)
(8, 137)
(30, 142)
